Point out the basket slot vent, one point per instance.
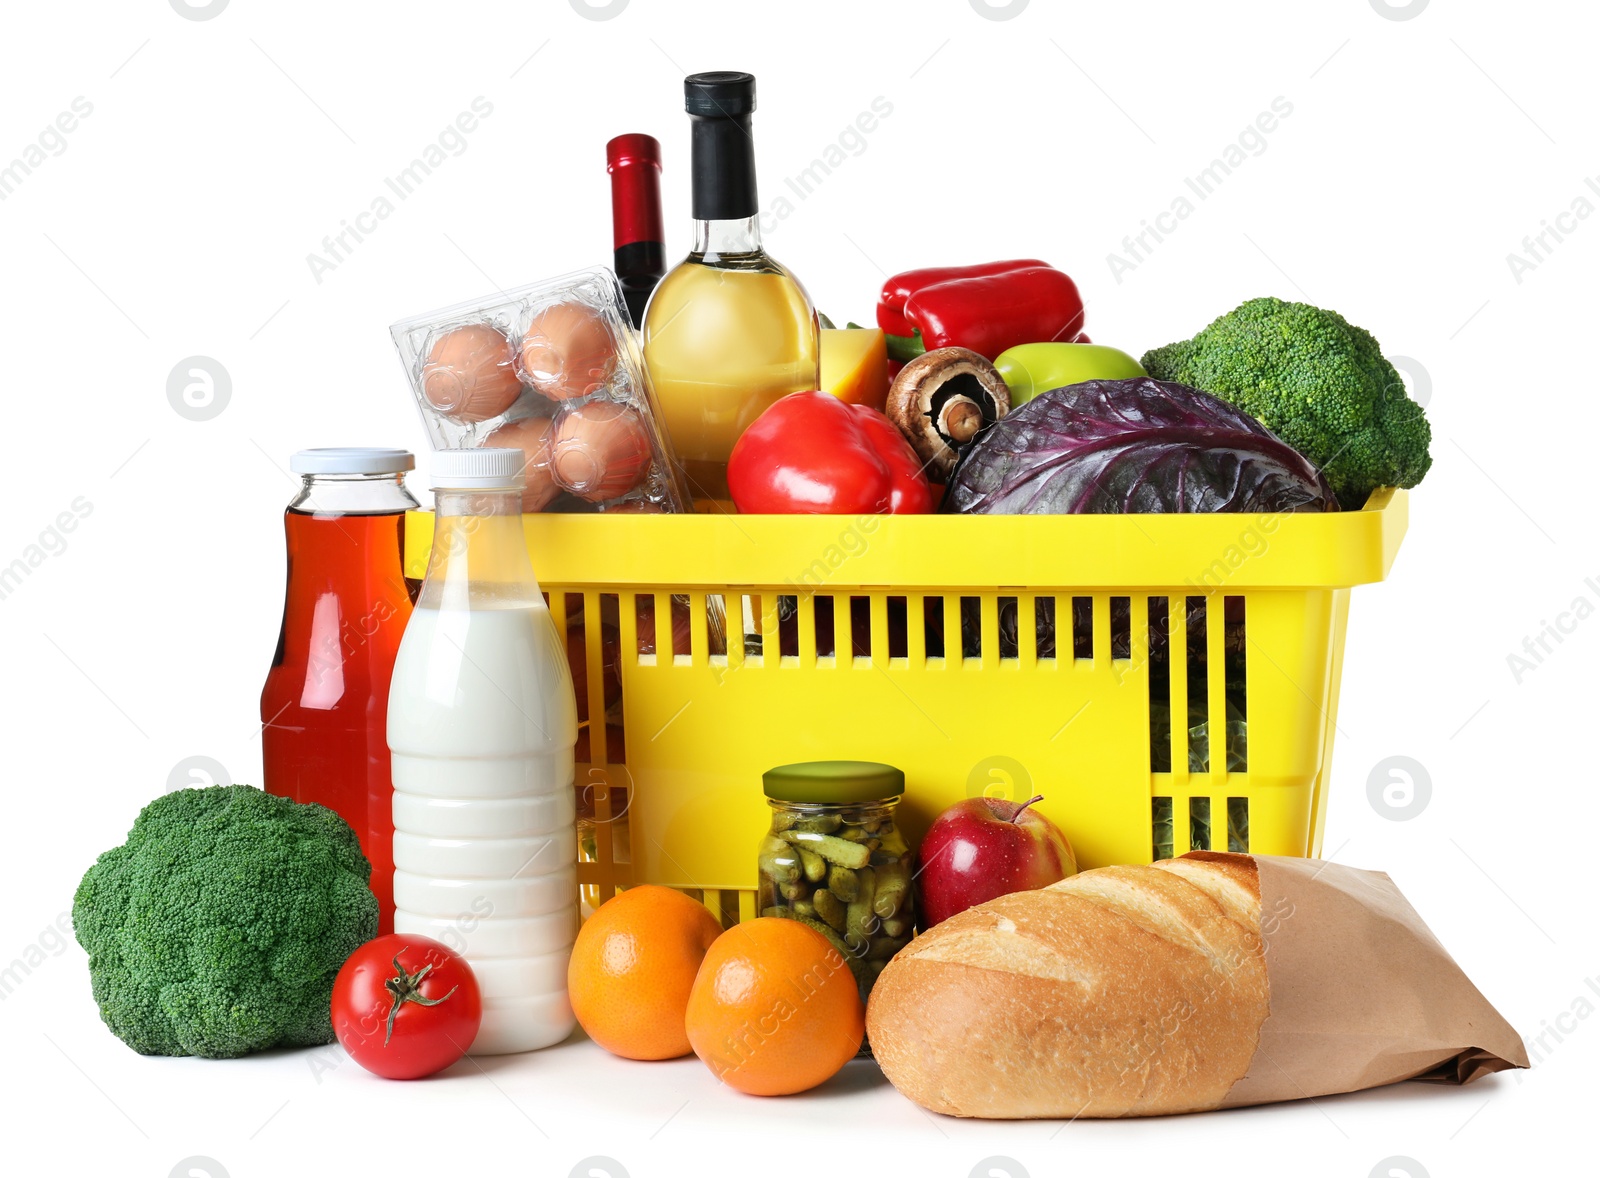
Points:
(716, 631)
(647, 622)
(788, 625)
(567, 614)
(594, 652)
(861, 627)
(933, 625)
(682, 646)
(1083, 627)
(1044, 626)
(566, 611)
(822, 607)
(1200, 824)
(845, 629)
(1239, 825)
(750, 625)
(1121, 628)
(1160, 828)
(1195, 721)
(1009, 621)
(1214, 663)
(971, 627)
(1235, 649)
(1160, 679)
(644, 613)
(899, 629)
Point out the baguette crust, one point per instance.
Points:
(1126, 991)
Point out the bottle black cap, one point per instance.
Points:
(722, 158)
(725, 93)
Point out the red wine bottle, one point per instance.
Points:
(634, 162)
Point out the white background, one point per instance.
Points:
(177, 219)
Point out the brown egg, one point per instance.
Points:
(601, 450)
(471, 373)
(531, 435)
(568, 351)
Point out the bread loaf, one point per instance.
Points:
(1126, 991)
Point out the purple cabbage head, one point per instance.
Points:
(1140, 445)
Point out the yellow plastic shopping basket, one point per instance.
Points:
(1167, 682)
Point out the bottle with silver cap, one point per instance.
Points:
(345, 607)
(482, 724)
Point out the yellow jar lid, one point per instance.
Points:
(834, 783)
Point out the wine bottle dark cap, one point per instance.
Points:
(722, 158)
(725, 93)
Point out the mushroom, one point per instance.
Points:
(941, 400)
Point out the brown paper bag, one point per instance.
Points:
(1361, 992)
(1130, 992)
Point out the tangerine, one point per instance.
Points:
(633, 966)
(775, 1008)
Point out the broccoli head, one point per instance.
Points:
(1318, 382)
(217, 928)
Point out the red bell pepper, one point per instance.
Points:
(811, 453)
(986, 308)
(900, 288)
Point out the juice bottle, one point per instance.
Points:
(345, 607)
(729, 330)
(482, 723)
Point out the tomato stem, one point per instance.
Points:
(405, 987)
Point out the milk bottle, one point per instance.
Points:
(482, 722)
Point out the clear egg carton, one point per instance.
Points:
(552, 369)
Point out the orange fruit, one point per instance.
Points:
(632, 968)
(775, 1008)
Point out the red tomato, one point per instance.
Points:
(406, 1006)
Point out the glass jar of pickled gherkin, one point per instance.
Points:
(834, 859)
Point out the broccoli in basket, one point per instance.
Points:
(1319, 383)
(218, 927)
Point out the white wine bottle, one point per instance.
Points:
(728, 331)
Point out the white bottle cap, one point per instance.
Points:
(352, 460)
(481, 468)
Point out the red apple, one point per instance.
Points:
(985, 847)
